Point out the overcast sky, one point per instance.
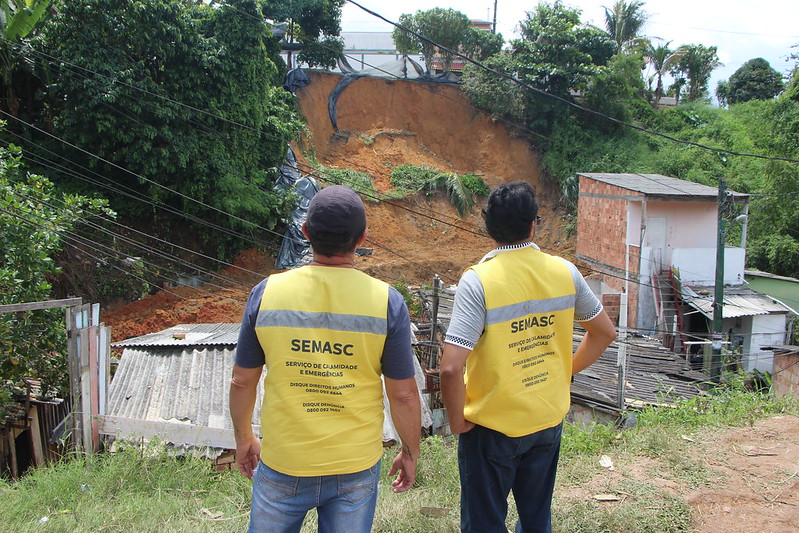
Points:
(741, 29)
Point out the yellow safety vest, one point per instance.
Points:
(518, 375)
(322, 330)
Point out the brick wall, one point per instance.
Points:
(226, 461)
(786, 372)
(601, 238)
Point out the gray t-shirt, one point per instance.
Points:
(469, 312)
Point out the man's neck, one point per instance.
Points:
(340, 261)
(517, 243)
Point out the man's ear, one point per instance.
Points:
(305, 231)
(362, 238)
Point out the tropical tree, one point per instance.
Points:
(33, 220)
(18, 18)
(481, 44)
(314, 24)
(447, 27)
(180, 97)
(662, 59)
(625, 21)
(695, 65)
(557, 53)
(723, 93)
(755, 80)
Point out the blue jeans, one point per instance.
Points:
(492, 464)
(345, 503)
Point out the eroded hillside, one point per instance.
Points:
(382, 124)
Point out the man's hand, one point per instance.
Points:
(405, 464)
(248, 453)
(462, 426)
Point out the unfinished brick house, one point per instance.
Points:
(634, 229)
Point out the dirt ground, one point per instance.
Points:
(386, 123)
(758, 489)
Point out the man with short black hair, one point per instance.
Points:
(511, 328)
(325, 333)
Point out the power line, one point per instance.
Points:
(568, 102)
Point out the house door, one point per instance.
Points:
(656, 233)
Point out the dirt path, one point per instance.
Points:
(758, 489)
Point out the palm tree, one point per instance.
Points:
(662, 59)
(625, 21)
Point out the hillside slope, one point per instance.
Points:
(383, 123)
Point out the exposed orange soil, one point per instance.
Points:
(383, 124)
(387, 123)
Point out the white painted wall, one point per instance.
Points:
(765, 330)
(698, 265)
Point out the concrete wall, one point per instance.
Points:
(766, 330)
(697, 266)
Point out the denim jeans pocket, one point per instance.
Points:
(355, 488)
(276, 486)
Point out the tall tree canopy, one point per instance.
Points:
(179, 95)
(557, 53)
(662, 59)
(625, 21)
(315, 24)
(33, 218)
(755, 80)
(447, 27)
(695, 66)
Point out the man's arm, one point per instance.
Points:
(599, 333)
(403, 398)
(453, 388)
(243, 392)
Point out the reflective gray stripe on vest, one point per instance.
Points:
(281, 318)
(529, 307)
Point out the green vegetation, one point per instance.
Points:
(33, 221)
(359, 181)
(315, 24)
(147, 490)
(409, 179)
(414, 307)
(449, 28)
(755, 80)
(191, 128)
(561, 56)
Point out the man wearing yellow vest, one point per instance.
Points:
(325, 333)
(511, 328)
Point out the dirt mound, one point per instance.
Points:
(383, 123)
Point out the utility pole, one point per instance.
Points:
(718, 294)
(494, 30)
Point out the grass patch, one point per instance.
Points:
(461, 190)
(360, 182)
(149, 490)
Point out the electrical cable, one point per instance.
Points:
(564, 100)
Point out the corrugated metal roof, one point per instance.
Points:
(738, 301)
(654, 373)
(186, 335)
(160, 378)
(177, 384)
(658, 185)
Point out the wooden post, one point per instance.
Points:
(73, 351)
(36, 437)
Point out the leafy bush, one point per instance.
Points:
(33, 220)
(414, 307)
(409, 179)
(476, 184)
(358, 181)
